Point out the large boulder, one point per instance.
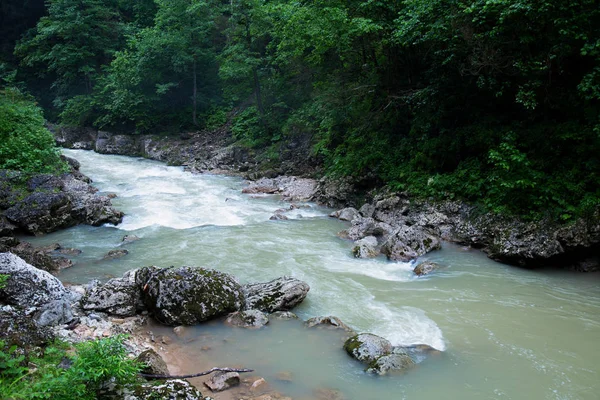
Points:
(408, 243)
(366, 347)
(345, 214)
(30, 288)
(222, 381)
(188, 295)
(172, 389)
(118, 296)
(281, 294)
(44, 203)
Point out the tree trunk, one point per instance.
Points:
(195, 95)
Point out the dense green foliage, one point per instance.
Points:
(3, 280)
(26, 145)
(92, 365)
(493, 101)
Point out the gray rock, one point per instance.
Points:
(172, 389)
(363, 227)
(425, 268)
(253, 319)
(366, 347)
(281, 294)
(108, 143)
(154, 363)
(367, 210)
(408, 243)
(222, 381)
(329, 322)
(111, 255)
(20, 330)
(395, 362)
(346, 214)
(54, 312)
(75, 137)
(28, 286)
(365, 248)
(118, 296)
(283, 315)
(278, 217)
(188, 295)
(129, 238)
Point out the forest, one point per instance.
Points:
(496, 102)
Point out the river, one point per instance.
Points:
(505, 332)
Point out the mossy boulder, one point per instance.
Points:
(153, 363)
(397, 361)
(188, 295)
(281, 294)
(367, 348)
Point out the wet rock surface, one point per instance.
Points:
(367, 348)
(251, 319)
(188, 295)
(154, 363)
(281, 294)
(425, 268)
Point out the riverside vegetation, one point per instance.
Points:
(493, 102)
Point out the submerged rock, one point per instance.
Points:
(222, 381)
(129, 238)
(111, 255)
(329, 322)
(283, 315)
(408, 243)
(281, 294)
(252, 319)
(188, 295)
(367, 348)
(425, 268)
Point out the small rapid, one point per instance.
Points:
(506, 332)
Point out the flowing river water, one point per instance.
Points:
(505, 332)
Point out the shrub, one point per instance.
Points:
(25, 144)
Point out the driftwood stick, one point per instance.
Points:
(210, 371)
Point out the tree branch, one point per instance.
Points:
(210, 371)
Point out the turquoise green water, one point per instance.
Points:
(506, 333)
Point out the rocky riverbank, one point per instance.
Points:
(35, 308)
(394, 224)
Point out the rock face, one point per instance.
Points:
(281, 294)
(43, 203)
(118, 296)
(222, 381)
(252, 319)
(367, 347)
(188, 295)
(29, 287)
(108, 143)
(346, 214)
(37, 257)
(408, 243)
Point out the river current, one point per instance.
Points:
(505, 332)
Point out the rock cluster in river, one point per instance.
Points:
(406, 228)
